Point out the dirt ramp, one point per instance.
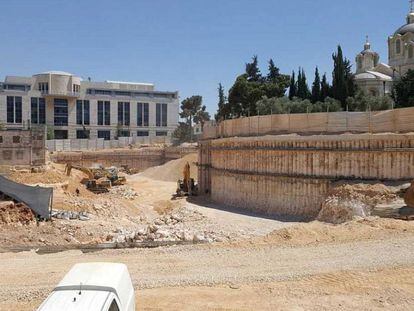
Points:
(172, 170)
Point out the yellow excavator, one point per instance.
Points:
(409, 196)
(187, 185)
(99, 180)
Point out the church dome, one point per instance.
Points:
(405, 29)
(409, 27)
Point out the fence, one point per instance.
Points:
(100, 143)
(396, 120)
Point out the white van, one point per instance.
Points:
(93, 287)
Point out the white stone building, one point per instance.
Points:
(377, 78)
(73, 108)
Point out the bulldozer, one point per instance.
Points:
(99, 179)
(187, 185)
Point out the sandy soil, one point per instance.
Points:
(260, 263)
(287, 277)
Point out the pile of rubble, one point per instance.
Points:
(15, 213)
(70, 215)
(347, 200)
(124, 192)
(168, 228)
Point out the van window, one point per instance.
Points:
(113, 306)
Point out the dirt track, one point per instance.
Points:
(207, 268)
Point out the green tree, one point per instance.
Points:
(325, 88)
(316, 87)
(303, 89)
(365, 102)
(293, 86)
(201, 116)
(274, 72)
(182, 133)
(192, 110)
(253, 71)
(223, 109)
(403, 91)
(251, 87)
(342, 78)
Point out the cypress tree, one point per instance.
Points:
(303, 89)
(222, 112)
(292, 86)
(342, 78)
(316, 87)
(325, 88)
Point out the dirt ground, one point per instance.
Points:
(247, 261)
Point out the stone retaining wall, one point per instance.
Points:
(290, 175)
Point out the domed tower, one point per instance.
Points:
(367, 59)
(401, 46)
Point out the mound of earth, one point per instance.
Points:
(347, 200)
(172, 170)
(318, 232)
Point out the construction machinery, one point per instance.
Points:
(99, 179)
(409, 196)
(187, 185)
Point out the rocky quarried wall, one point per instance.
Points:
(134, 159)
(290, 174)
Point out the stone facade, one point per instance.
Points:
(376, 78)
(73, 108)
(22, 147)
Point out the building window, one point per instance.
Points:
(1, 139)
(14, 109)
(160, 133)
(16, 140)
(82, 112)
(142, 133)
(44, 87)
(38, 110)
(161, 115)
(104, 113)
(398, 46)
(102, 92)
(61, 112)
(123, 133)
(60, 134)
(410, 51)
(76, 88)
(123, 113)
(16, 87)
(105, 134)
(82, 134)
(142, 114)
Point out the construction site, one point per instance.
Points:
(280, 212)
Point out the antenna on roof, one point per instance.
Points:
(411, 6)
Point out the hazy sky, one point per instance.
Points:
(188, 45)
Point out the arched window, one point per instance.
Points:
(398, 46)
(410, 51)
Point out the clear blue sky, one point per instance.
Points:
(187, 45)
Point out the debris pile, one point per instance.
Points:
(15, 213)
(69, 215)
(346, 201)
(174, 227)
(124, 192)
